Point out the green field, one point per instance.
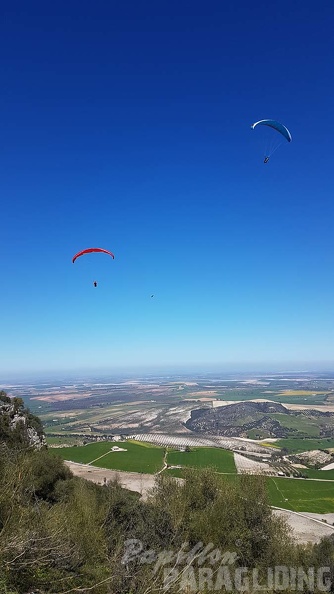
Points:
(220, 460)
(324, 475)
(302, 495)
(62, 440)
(299, 423)
(303, 445)
(137, 458)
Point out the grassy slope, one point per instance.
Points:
(301, 424)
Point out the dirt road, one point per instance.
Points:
(306, 527)
(134, 481)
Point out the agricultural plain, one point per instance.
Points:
(157, 410)
(127, 405)
(315, 494)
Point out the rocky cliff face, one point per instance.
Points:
(17, 425)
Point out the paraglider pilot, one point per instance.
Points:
(95, 284)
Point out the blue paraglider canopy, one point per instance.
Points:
(273, 140)
(276, 125)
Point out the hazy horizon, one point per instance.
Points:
(169, 370)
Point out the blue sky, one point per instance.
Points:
(126, 126)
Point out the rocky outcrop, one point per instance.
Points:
(18, 426)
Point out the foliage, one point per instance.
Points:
(4, 398)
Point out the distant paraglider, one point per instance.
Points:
(89, 251)
(274, 139)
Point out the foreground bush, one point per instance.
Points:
(62, 534)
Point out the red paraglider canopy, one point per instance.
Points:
(89, 251)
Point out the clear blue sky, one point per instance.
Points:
(126, 125)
